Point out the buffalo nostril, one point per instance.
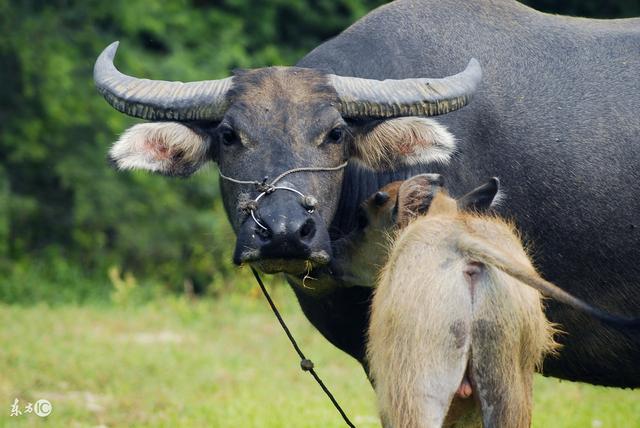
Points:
(307, 230)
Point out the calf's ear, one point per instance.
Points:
(402, 141)
(481, 198)
(415, 196)
(168, 148)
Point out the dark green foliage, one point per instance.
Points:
(588, 8)
(65, 216)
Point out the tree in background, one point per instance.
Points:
(64, 214)
(588, 8)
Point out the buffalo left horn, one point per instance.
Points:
(367, 98)
(159, 99)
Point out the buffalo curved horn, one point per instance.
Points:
(367, 98)
(159, 99)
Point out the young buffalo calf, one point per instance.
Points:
(457, 314)
(454, 337)
(362, 254)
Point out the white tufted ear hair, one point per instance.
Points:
(168, 148)
(402, 141)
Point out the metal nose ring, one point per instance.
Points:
(309, 202)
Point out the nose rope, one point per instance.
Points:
(305, 363)
(265, 188)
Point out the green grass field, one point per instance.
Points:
(223, 363)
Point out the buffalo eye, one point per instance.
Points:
(380, 198)
(335, 135)
(228, 136)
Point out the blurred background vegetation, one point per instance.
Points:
(98, 268)
(72, 229)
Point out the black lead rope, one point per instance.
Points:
(305, 364)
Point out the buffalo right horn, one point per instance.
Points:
(368, 98)
(159, 99)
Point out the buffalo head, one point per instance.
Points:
(261, 123)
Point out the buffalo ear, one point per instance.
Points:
(402, 141)
(481, 198)
(415, 196)
(168, 148)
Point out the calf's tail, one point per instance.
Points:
(483, 251)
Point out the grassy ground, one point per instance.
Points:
(175, 363)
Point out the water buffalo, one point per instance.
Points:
(556, 118)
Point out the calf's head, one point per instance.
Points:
(396, 204)
(261, 123)
(392, 208)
